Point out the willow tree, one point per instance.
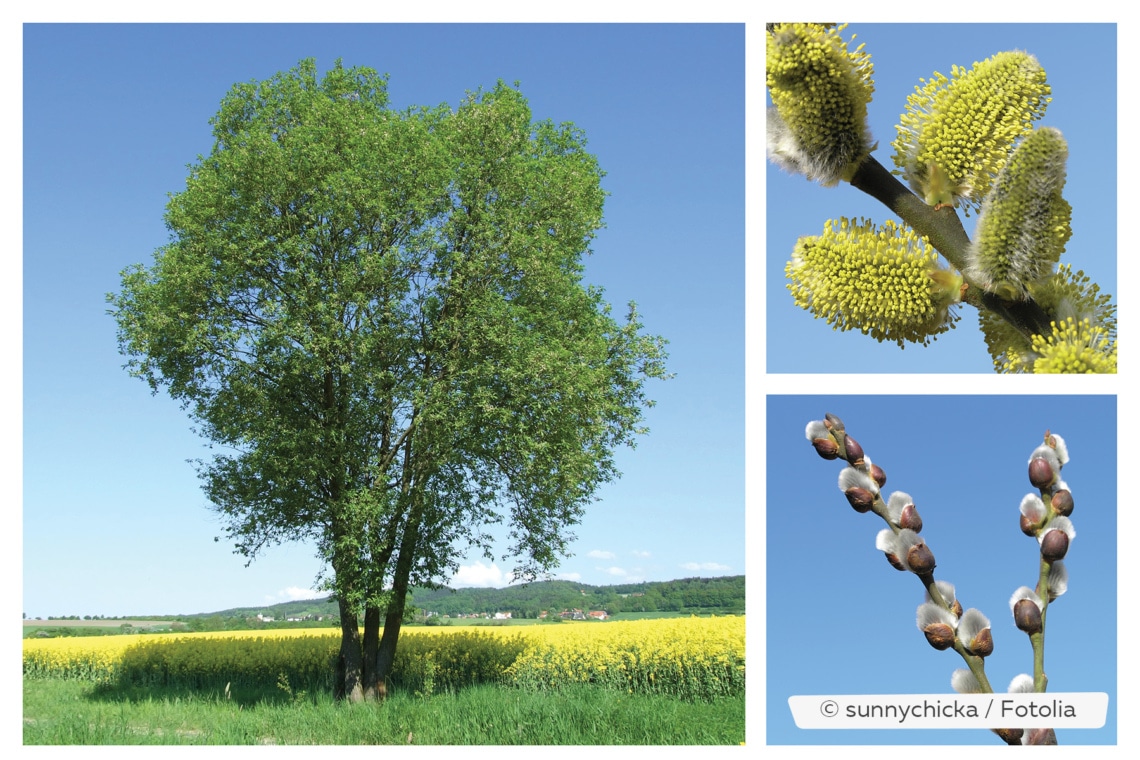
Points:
(379, 317)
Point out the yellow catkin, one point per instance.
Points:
(1074, 348)
(884, 281)
(820, 90)
(957, 132)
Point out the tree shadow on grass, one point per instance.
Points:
(243, 696)
(246, 697)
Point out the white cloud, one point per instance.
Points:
(294, 593)
(621, 573)
(480, 576)
(596, 554)
(711, 567)
(640, 554)
(568, 576)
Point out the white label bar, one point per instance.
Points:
(1020, 710)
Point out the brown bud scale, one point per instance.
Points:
(910, 518)
(1027, 616)
(860, 499)
(940, 636)
(920, 559)
(1054, 546)
(1011, 736)
(1063, 502)
(983, 643)
(826, 448)
(1043, 737)
(1040, 473)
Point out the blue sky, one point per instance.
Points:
(114, 521)
(1080, 64)
(841, 620)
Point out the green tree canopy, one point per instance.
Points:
(379, 318)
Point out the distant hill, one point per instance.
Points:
(301, 608)
(721, 594)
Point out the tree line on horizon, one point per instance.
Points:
(527, 601)
(719, 595)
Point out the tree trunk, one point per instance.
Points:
(374, 686)
(386, 655)
(349, 666)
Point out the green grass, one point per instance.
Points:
(73, 712)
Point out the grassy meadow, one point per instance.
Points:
(668, 681)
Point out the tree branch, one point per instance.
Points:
(945, 232)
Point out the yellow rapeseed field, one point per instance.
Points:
(687, 657)
(696, 658)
